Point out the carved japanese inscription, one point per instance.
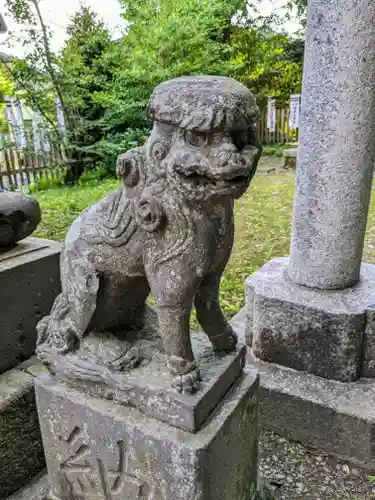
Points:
(85, 476)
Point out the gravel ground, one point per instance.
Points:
(296, 473)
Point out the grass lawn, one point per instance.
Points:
(263, 218)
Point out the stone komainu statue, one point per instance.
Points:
(168, 229)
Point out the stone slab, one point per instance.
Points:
(29, 283)
(328, 333)
(37, 489)
(21, 449)
(333, 417)
(95, 448)
(22, 248)
(148, 386)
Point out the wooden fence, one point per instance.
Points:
(283, 133)
(24, 166)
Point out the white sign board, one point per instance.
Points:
(271, 114)
(16, 123)
(21, 142)
(41, 142)
(294, 111)
(60, 116)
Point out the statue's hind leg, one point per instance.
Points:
(60, 332)
(211, 317)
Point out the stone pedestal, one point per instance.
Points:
(29, 283)
(21, 448)
(337, 418)
(97, 449)
(329, 333)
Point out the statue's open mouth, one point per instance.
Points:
(198, 179)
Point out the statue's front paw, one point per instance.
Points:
(225, 342)
(185, 374)
(188, 383)
(128, 361)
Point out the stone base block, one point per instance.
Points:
(97, 449)
(326, 333)
(290, 158)
(37, 489)
(148, 386)
(21, 449)
(30, 281)
(336, 418)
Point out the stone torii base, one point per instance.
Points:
(333, 416)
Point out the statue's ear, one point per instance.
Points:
(129, 166)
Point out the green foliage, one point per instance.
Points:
(35, 75)
(44, 183)
(274, 150)
(61, 206)
(174, 39)
(6, 88)
(267, 62)
(96, 174)
(85, 74)
(301, 6)
(104, 86)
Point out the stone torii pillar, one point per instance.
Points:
(315, 311)
(337, 145)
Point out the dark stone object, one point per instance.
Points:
(21, 448)
(19, 217)
(168, 229)
(29, 283)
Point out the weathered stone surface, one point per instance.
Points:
(290, 158)
(336, 146)
(333, 417)
(21, 449)
(148, 386)
(94, 448)
(167, 229)
(32, 366)
(29, 283)
(19, 217)
(327, 333)
(37, 489)
(368, 366)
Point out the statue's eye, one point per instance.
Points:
(240, 139)
(196, 139)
